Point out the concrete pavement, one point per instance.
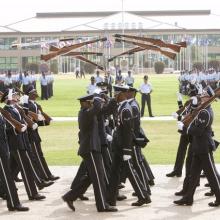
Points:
(160, 208)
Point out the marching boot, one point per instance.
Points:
(69, 204)
(173, 174)
(18, 208)
(215, 203)
(183, 201)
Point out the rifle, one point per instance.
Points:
(13, 122)
(184, 107)
(48, 119)
(27, 119)
(69, 48)
(150, 47)
(175, 47)
(129, 52)
(190, 117)
(33, 115)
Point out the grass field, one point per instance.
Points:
(60, 139)
(60, 142)
(67, 89)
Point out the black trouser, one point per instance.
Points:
(147, 168)
(26, 172)
(40, 160)
(44, 92)
(132, 175)
(8, 183)
(140, 168)
(107, 161)
(94, 167)
(25, 87)
(203, 162)
(146, 98)
(181, 153)
(109, 89)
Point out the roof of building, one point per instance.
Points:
(112, 20)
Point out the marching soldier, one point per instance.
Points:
(34, 136)
(90, 151)
(202, 144)
(123, 152)
(6, 178)
(17, 146)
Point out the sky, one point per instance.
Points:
(12, 11)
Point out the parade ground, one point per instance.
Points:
(162, 206)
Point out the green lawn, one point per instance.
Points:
(60, 142)
(67, 89)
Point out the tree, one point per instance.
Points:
(214, 64)
(32, 67)
(54, 67)
(159, 67)
(198, 65)
(89, 68)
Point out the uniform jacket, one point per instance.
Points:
(88, 125)
(201, 132)
(4, 149)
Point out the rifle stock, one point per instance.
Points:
(69, 48)
(157, 42)
(48, 119)
(191, 116)
(150, 47)
(33, 115)
(13, 122)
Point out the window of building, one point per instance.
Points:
(5, 43)
(8, 63)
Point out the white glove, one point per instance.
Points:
(25, 99)
(40, 117)
(194, 100)
(10, 94)
(97, 91)
(180, 125)
(126, 157)
(109, 138)
(34, 126)
(24, 128)
(106, 122)
(179, 97)
(175, 115)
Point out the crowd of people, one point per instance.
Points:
(210, 77)
(20, 147)
(111, 141)
(108, 80)
(24, 80)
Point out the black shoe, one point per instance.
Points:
(151, 182)
(202, 175)
(45, 184)
(207, 185)
(183, 201)
(53, 178)
(18, 208)
(69, 204)
(83, 198)
(151, 116)
(109, 209)
(121, 197)
(37, 197)
(209, 193)
(180, 193)
(121, 186)
(141, 202)
(3, 196)
(17, 180)
(215, 203)
(172, 174)
(134, 194)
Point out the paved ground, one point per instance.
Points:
(161, 207)
(157, 118)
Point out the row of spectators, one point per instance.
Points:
(23, 80)
(206, 77)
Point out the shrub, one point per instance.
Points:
(198, 65)
(159, 67)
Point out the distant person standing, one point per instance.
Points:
(119, 80)
(146, 90)
(25, 81)
(129, 80)
(98, 78)
(44, 85)
(92, 86)
(109, 80)
(77, 72)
